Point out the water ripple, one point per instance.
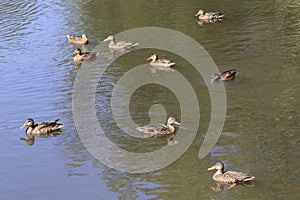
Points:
(15, 18)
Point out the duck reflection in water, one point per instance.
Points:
(31, 138)
(226, 186)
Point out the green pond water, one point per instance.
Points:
(260, 39)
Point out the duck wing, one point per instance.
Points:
(216, 15)
(74, 38)
(125, 44)
(166, 61)
(229, 74)
(154, 130)
(46, 127)
(239, 176)
(225, 178)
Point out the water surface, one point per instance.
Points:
(260, 39)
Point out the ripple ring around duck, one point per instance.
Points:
(91, 131)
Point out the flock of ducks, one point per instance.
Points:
(151, 130)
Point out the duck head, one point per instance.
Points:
(29, 122)
(153, 57)
(109, 38)
(200, 12)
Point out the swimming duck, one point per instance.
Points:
(224, 76)
(121, 45)
(78, 39)
(79, 56)
(160, 130)
(209, 15)
(230, 177)
(156, 62)
(201, 22)
(41, 128)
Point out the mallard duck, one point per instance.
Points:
(160, 130)
(41, 128)
(205, 21)
(230, 177)
(121, 45)
(209, 15)
(156, 62)
(224, 76)
(78, 39)
(79, 56)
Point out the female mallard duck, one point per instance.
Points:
(121, 45)
(78, 39)
(224, 76)
(79, 56)
(230, 177)
(209, 15)
(160, 130)
(41, 128)
(155, 62)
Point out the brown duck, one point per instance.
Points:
(79, 56)
(41, 128)
(224, 76)
(230, 177)
(78, 39)
(209, 15)
(160, 130)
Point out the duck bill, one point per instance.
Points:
(150, 58)
(23, 126)
(197, 14)
(211, 168)
(176, 124)
(106, 39)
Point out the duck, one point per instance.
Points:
(224, 76)
(121, 45)
(229, 177)
(78, 39)
(201, 22)
(156, 62)
(161, 130)
(209, 15)
(41, 128)
(79, 56)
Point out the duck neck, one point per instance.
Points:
(171, 128)
(29, 129)
(112, 43)
(220, 171)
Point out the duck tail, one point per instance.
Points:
(249, 178)
(135, 44)
(58, 125)
(140, 129)
(220, 15)
(231, 71)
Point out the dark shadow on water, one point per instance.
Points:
(31, 137)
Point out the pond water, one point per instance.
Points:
(261, 39)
